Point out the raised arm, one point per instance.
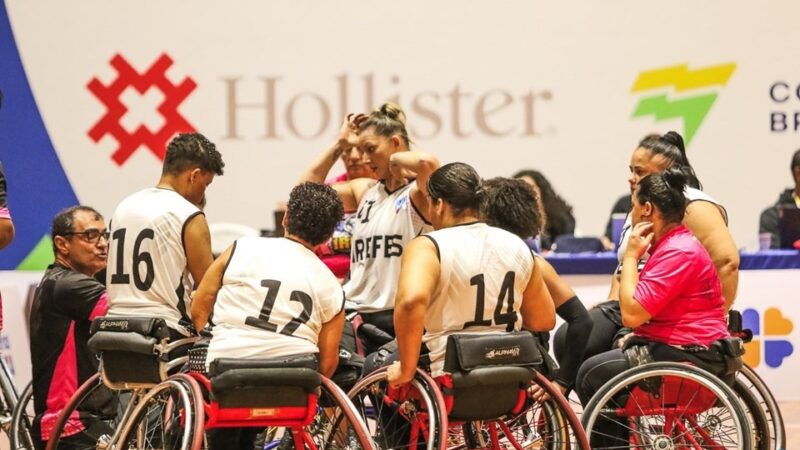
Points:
(538, 310)
(206, 294)
(419, 274)
(421, 165)
(708, 225)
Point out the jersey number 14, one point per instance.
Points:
(508, 318)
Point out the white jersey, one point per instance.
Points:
(384, 224)
(147, 269)
(692, 195)
(484, 272)
(276, 294)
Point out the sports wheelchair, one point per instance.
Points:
(671, 405)
(482, 401)
(136, 359)
(270, 394)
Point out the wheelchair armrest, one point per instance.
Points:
(122, 342)
(222, 365)
(147, 326)
(374, 334)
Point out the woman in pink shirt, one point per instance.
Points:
(675, 304)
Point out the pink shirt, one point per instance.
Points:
(680, 289)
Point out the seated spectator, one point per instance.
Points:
(64, 304)
(789, 198)
(675, 305)
(557, 215)
(272, 297)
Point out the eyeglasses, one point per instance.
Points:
(91, 235)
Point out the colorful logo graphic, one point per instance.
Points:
(692, 100)
(767, 337)
(111, 96)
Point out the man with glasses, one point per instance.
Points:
(64, 304)
(160, 245)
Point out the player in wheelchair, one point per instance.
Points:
(676, 309)
(277, 321)
(465, 292)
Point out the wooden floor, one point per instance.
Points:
(791, 417)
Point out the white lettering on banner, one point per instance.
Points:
(468, 113)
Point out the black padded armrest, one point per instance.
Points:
(122, 342)
(222, 365)
(148, 326)
(307, 379)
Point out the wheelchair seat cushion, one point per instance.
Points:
(260, 387)
(147, 326)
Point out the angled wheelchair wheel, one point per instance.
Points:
(89, 418)
(666, 405)
(22, 420)
(168, 417)
(338, 424)
(413, 416)
(756, 417)
(548, 424)
(748, 378)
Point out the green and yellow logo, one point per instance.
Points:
(689, 93)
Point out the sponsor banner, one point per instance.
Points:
(90, 103)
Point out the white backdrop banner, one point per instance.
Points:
(568, 88)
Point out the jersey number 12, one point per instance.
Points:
(262, 321)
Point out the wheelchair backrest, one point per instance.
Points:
(129, 349)
(489, 372)
(281, 382)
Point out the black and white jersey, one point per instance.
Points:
(692, 195)
(147, 269)
(484, 272)
(384, 224)
(276, 294)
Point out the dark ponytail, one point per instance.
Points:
(672, 148)
(665, 192)
(459, 185)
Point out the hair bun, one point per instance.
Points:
(393, 111)
(675, 139)
(676, 178)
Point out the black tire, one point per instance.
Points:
(777, 432)
(387, 425)
(622, 410)
(338, 423)
(169, 417)
(22, 420)
(91, 414)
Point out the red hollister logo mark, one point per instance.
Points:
(110, 96)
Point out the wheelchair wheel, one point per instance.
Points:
(550, 424)
(338, 424)
(748, 378)
(666, 405)
(402, 418)
(21, 421)
(90, 416)
(168, 417)
(756, 417)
